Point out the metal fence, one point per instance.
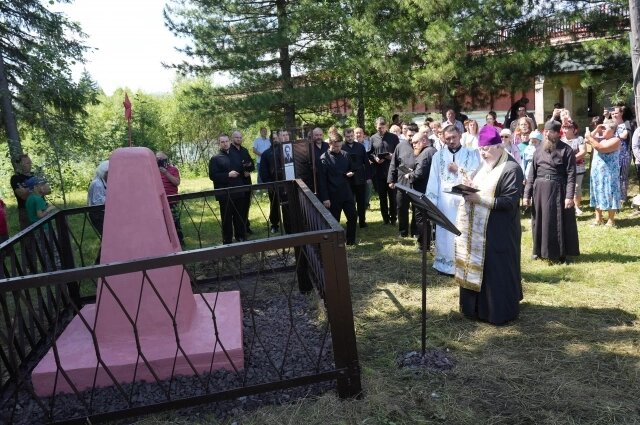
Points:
(297, 320)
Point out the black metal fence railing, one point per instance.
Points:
(292, 336)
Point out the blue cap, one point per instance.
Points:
(535, 134)
(33, 181)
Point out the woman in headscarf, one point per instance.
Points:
(98, 194)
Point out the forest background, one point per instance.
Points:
(287, 60)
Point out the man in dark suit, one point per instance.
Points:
(272, 170)
(361, 173)
(288, 158)
(247, 167)
(334, 189)
(383, 144)
(226, 170)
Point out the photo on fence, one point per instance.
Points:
(289, 167)
(302, 163)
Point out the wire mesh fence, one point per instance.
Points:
(289, 328)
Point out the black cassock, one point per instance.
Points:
(551, 180)
(501, 290)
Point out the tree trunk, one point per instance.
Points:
(634, 17)
(52, 140)
(288, 104)
(8, 117)
(360, 112)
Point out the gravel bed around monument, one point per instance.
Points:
(282, 340)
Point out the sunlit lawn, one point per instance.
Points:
(573, 356)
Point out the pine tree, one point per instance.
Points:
(37, 48)
(276, 51)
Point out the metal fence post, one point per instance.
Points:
(66, 255)
(340, 313)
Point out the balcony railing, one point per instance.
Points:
(597, 21)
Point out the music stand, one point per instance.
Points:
(432, 213)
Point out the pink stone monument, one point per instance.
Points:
(138, 224)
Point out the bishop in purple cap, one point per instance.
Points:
(488, 136)
(487, 257)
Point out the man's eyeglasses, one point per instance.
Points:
(504, 137)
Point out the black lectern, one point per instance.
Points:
(433, 214)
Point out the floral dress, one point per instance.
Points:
(604, 185)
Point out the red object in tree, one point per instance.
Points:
(127, 107)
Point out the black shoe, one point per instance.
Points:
(403, 235)
(351, 243)
(363, 225)
(275, 229)
(393, 221)
(249, 231)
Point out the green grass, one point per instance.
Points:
(573, 356)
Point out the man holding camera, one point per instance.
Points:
(171, 180)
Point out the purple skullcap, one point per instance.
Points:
(488, 136)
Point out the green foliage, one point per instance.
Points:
(38, 47)
(275, 51)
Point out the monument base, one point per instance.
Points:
(78, 359)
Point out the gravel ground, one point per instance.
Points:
(282, 339)
(432, 360)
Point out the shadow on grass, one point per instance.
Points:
(555, 364)
(628, 222)
(604, 257)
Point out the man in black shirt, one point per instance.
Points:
(360, 168)
(19, 188)
(419, 178)
(271, 170)
(226, 170)
(247, 166)
(383, 144)
(334, 189)
(318, 147)
(403, 162)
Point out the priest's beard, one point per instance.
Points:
(490, 162)
(549, 145)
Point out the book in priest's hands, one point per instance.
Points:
(404, 169)
(461, 189)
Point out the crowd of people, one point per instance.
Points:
(479, 177)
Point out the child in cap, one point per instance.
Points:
(36, 205)
(38, 208)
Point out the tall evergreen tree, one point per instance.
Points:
(275, 51)
(37, 48)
